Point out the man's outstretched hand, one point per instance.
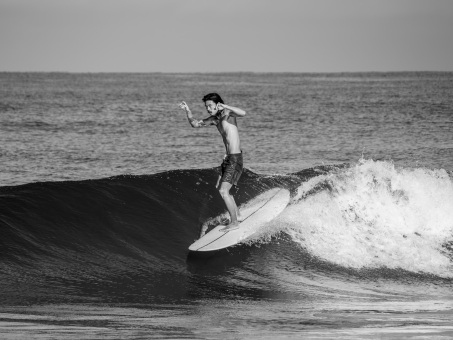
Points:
(184, 106)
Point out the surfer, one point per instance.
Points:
(224, 117)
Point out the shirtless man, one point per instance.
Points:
(224, 117)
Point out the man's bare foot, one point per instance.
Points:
(231, 226)
(240, 218)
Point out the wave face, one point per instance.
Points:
(125, 238)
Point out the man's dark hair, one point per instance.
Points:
(214, 97)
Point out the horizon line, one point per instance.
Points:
(229, 72)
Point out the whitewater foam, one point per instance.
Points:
(375, 215)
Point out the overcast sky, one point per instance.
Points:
(228, 35)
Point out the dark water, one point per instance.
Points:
(104, 187)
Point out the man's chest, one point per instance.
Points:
(226, 128)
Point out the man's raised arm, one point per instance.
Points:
(194, 122)
(233, 111)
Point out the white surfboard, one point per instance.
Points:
(267, 207)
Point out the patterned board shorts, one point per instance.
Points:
(232, 167)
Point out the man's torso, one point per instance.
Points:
(228, 128)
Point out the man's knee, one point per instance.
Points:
(224, 191)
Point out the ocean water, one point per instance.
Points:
(104, 185)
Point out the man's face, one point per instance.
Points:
(211, 107)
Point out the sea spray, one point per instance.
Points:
(375, 215)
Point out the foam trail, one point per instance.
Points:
(374, 215)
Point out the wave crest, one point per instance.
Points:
(375, 215)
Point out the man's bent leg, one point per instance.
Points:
(217, 185)
(229, 202)
(238, 214)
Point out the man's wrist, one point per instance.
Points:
(194, 122)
